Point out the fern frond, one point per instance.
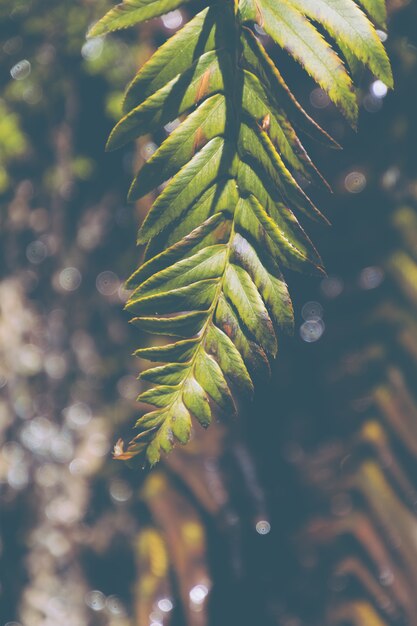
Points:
(222, 230)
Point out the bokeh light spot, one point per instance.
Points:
(319, 98)
(379, 89)
(198, 594)
(331, 287)
(355, 182)
(312, 311)
(70, 278)
(36, 252)
(371, 277)
(263, 527)
(93, 48)
(107, 283)
(311, 330)
(165, 605)
(96, 600)
(21, 70)
(120, 490)
(172, 20)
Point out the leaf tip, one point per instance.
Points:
(94, 31)
(132, 194)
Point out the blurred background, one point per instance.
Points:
(302, 512)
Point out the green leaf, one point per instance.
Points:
(346, 23)
(225, 226)
(271, 287)
(241, 292)
(202, 125)
(159, 396)
(184, 189)
(196, 400)
(181, 423)
(376, 9)
(220, 346)
(220, 196)
(256, 59)
(197, 296)
(207, 263)
(182, 93)
(131, 12)
(256, 149)
(293, 32)
(170, 374)
(252, 354)
(211, 378)
(174, 252)
(259, 106)
(286, 239)
(178, 352)
(178, 325)
(177, 54)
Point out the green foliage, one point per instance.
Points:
(224, 226)
(12, 142)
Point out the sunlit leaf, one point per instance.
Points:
(224, 229)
